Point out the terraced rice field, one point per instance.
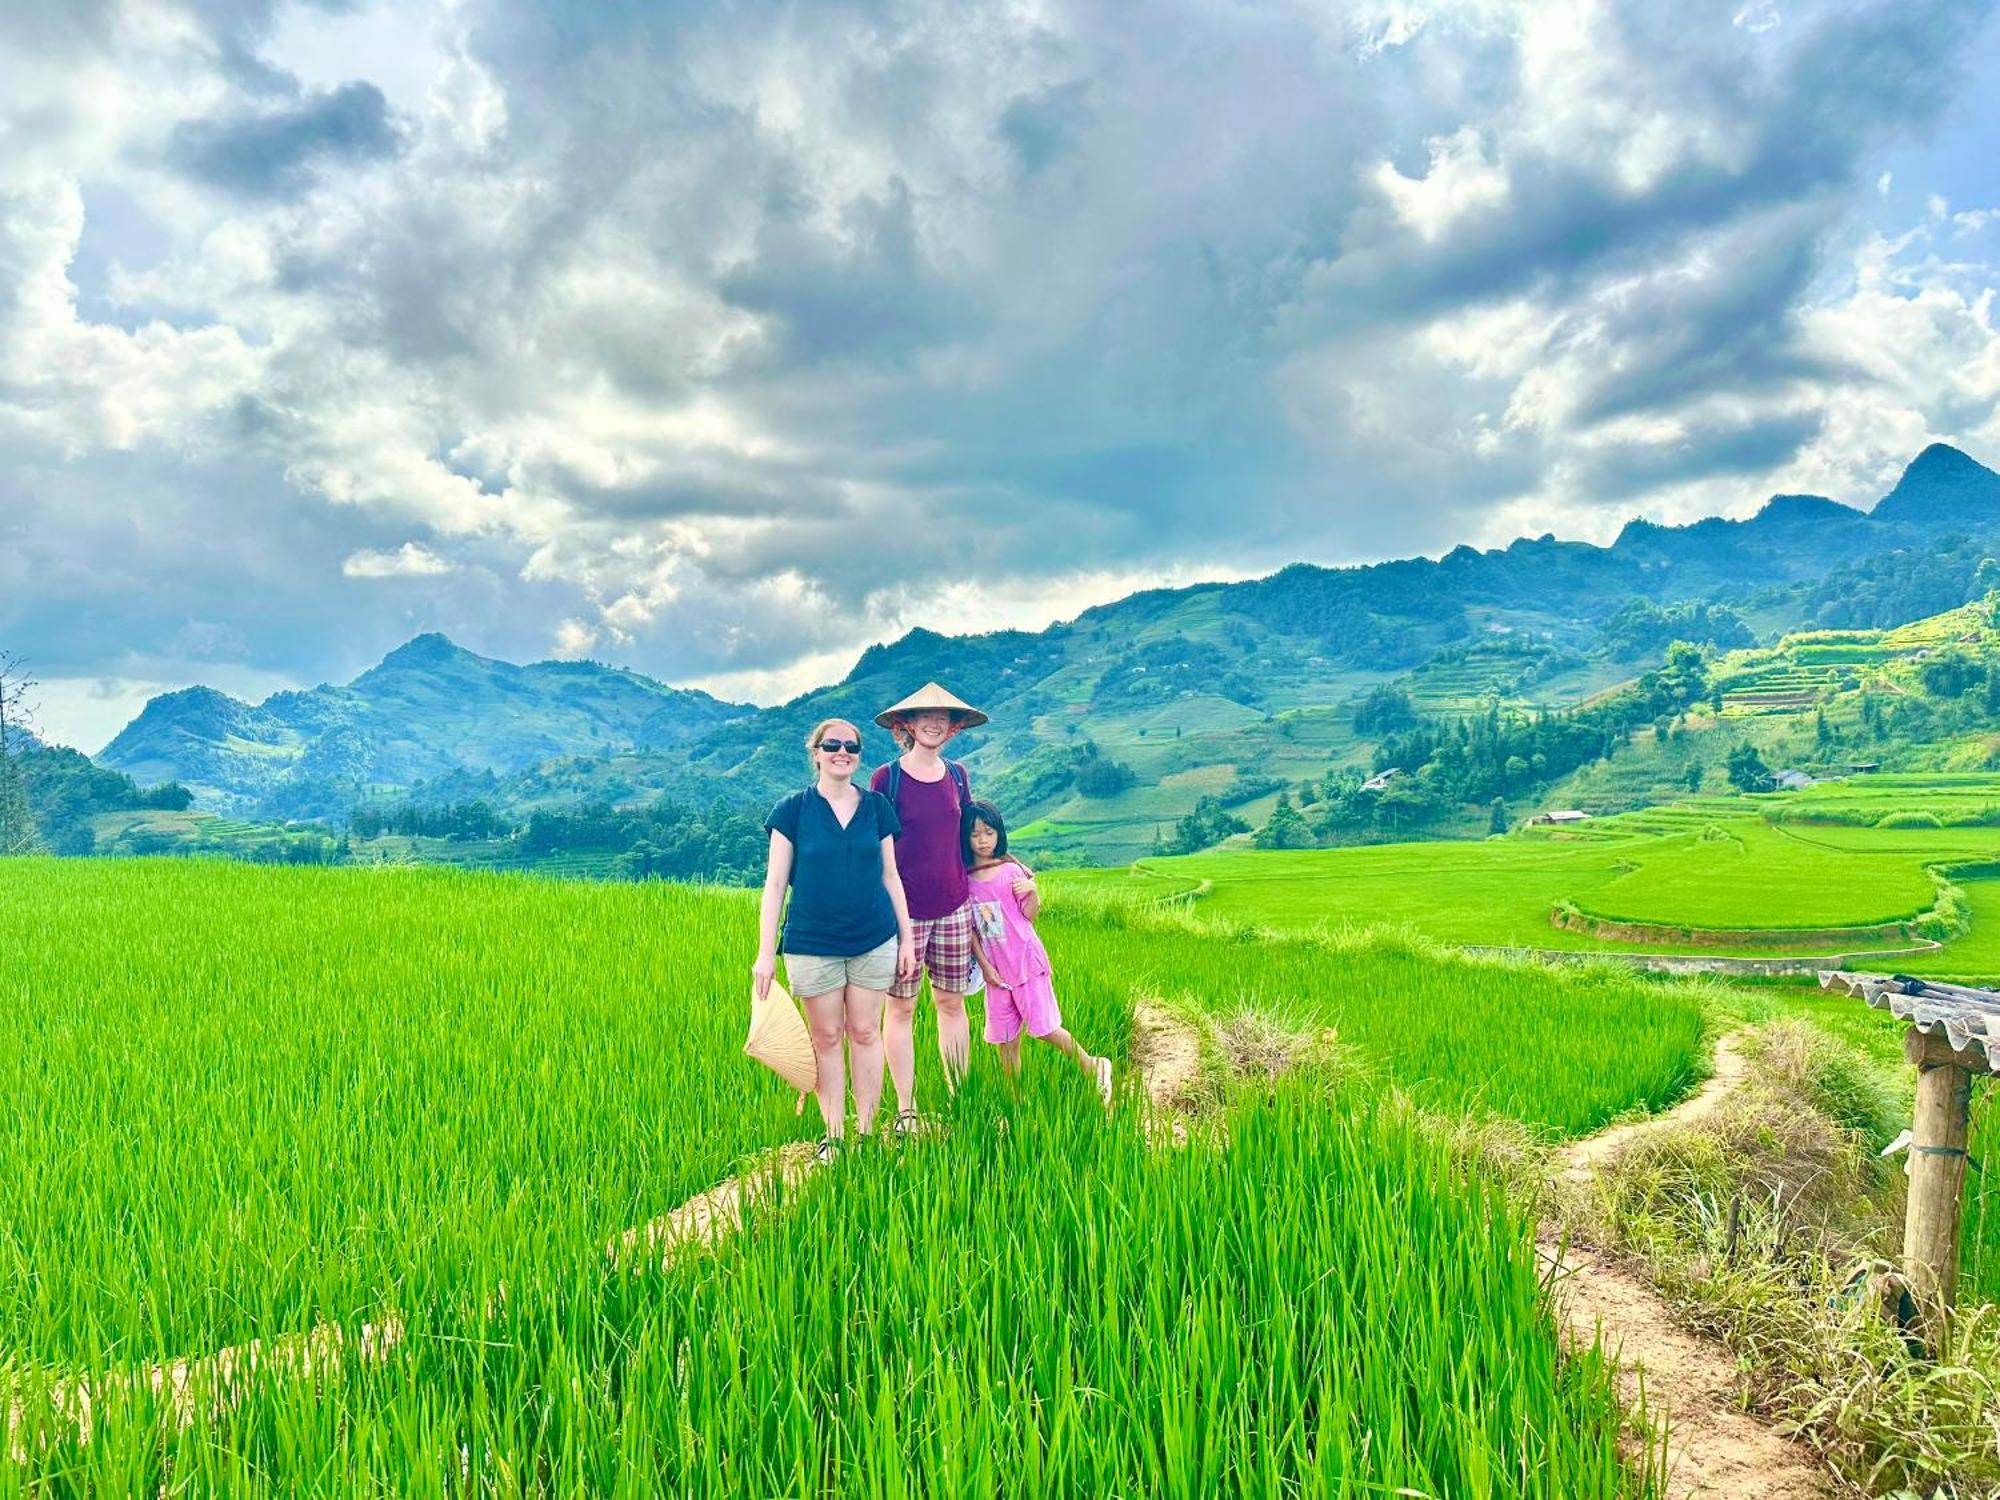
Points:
(1501, 892)
(248, 1103)
(1706, 865)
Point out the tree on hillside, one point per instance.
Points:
(1098, 775)
(1209, 823)
(1683, 678)
(1498, 821)
(1747, 771)
(1386, 710)
(1949, 674)
(1286, 829)
(1641, 626)
(18, 834)
(1695, 773)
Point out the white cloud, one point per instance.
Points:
(575, 638)
(685, 332)
(1461, 179)
(768, 685)
(71, 386)
(411, 560)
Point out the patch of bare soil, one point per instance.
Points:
(1681, 1381)
(1167, 1051)
(1684, 1383)
(1578, 1162)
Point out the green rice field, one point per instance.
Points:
(245, 1103)
(1710, 860)
(1806, 885)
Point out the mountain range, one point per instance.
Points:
(1216, 690)
(428, 709)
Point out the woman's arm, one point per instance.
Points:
(777, 875)
(892, 882)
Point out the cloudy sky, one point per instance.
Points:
(720, 340)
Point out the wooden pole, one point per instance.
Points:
(1937, 1176)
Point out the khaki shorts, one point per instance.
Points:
(810, 974)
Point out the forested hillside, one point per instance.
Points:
(1168, 719)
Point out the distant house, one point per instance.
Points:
(1563, 815)
(1865, 767)
(1789, 780)
(1381, 783)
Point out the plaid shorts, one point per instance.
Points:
(944, 948)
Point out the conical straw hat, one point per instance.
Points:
(932, 695)
(779, 1040)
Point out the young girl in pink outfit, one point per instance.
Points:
(1020, 995)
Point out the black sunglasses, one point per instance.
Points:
(852, 747)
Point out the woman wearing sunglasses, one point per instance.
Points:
(846, 935)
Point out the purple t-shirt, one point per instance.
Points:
(928, 856)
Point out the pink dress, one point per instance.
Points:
(1020, 996)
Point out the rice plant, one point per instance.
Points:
(386, 1121)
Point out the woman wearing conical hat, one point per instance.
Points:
(928, 793)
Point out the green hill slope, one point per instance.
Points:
(1921, 697)
(1110, 730)
(429, 709)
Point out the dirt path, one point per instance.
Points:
(1683, 1382)
(1579, 1160)
(213, 1383)
(707, 1217)
(1686, 1383)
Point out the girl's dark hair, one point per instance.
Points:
(978, 811)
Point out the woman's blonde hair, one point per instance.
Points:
(819, 733)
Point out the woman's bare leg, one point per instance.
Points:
(826, 1019)
(1010, 1057)
(954, 1035)
(899, 1049)
(864, 1045)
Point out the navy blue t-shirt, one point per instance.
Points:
(839, 907)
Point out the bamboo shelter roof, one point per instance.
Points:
(1969, 1018)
